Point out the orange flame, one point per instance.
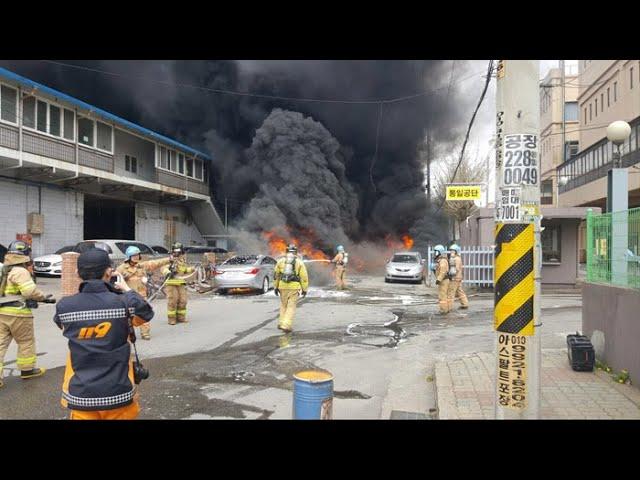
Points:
(278, 245)
(408, 242)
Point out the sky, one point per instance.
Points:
(484, 126)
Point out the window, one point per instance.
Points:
(181, 163)
(198, 169)
(615, 92)
(590, 111)
(69, 124)
(29, 112)
(173, 164)
(571, 111)
(131, 164)
(631, 78)
(601, 102)
(54, 120)
(190, 167)
(550, 239)
(585, 114)
(8, 104)
(85, 131)
(546, 190)
(572, 148)
(632, 140)
(163, 158)
(41, 116)
(608, 97)
(104, 136)
(596, 107)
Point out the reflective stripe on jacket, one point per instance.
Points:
(99, 371)
(182, 268)
(20, 282)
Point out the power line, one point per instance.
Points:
(375, 155)
(473, 117)
(258, 95)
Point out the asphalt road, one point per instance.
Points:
(231, 362)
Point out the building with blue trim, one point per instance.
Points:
(84, 173)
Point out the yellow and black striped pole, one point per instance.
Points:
(513, 279)
(517, 241)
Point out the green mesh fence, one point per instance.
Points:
(613, 248)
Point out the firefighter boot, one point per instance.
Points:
(34, 372)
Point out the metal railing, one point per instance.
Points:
(477, 264)
(613, 248)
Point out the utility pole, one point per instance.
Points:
(428, 168)
(518, 253)
(225, 213)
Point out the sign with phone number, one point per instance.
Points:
(520, 164)
(508, 206)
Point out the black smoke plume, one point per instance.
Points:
(365, 156)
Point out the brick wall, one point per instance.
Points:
(70, 279)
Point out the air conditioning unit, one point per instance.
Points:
(35, 223)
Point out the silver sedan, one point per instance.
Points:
(253, 272)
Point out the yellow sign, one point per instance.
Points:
(512, 371)
(464, 192)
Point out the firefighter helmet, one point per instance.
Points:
(132, 251)
(177, 248)
(19, 247)
(292, 248)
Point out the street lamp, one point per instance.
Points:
(617, 133)
(618, 203)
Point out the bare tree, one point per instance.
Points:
(471, 170)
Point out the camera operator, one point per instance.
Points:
(100, 376)
(18, 295)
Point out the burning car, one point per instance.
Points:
(255, 272)
(406, 266)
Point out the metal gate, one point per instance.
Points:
(478, 266)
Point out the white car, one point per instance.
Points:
(50, 264)
(405, 266)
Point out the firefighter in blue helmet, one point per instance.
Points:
(341, 259)
(455, 285)
(442, 278)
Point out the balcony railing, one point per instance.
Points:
(594, 162)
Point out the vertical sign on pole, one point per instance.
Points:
(516, 264)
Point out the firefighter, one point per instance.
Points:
(176, 287)
(340, 273)
(455, 285)
(291, 281)
(18, 294)
(135, 273)
(442, 278)
(100, 377)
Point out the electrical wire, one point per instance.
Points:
(473, 117)
(258, 95)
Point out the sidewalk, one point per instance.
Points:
(465, 390)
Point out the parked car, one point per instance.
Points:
(245, 271)
(3, 252)
(51, 264)
(406, 266)
(160, 250)
(117, 248)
